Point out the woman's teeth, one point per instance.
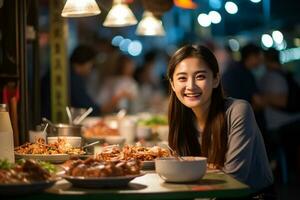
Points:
(192, 95)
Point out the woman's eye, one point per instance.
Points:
(181, 78)
(200, 77)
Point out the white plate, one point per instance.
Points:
(53, 158)
(98, 182)
(24, 188)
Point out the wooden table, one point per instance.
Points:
(151, 186)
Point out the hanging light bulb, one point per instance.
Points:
(150, 25)
(80, 8)
(119, 15)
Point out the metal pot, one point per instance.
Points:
(65, 130)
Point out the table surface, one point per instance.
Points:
(151, 186)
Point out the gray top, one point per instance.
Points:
(246, 157)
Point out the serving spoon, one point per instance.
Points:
(91, 144)
(69, 115)
(77, 120)
(44, 119)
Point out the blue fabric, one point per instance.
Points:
(79, 95)
(238, 82)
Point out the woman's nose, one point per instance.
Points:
(190, 83)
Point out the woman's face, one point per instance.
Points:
(193, 83)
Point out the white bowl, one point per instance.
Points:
(115, 139)
(74, 141)
(189, 170)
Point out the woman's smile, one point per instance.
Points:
(192, 96)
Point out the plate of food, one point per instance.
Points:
(100, 182)
(26, 177)
(25, 188)
(52, 158)
(146, 155)
(139, 152)
(95, 173)
(56, 152)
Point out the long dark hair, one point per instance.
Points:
(183, 134)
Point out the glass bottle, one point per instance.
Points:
(6, 135)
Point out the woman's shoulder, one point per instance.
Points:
(231, 103)
(240, 117)
(237, 106)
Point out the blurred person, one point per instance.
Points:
(106, 54)
(280, 88)
(120, 90)
(82, 60)
(202, 122)
(281, 94)
(229, 61)
(143, 74)
(239, 81)
(81, 63)
(223, 54)
(150, 91)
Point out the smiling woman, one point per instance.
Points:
(202, 122)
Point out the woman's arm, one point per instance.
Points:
(242, 132)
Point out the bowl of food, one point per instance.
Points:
(73, 141)
(170, 169)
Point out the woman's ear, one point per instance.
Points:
(172, 85)
(216, 81)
